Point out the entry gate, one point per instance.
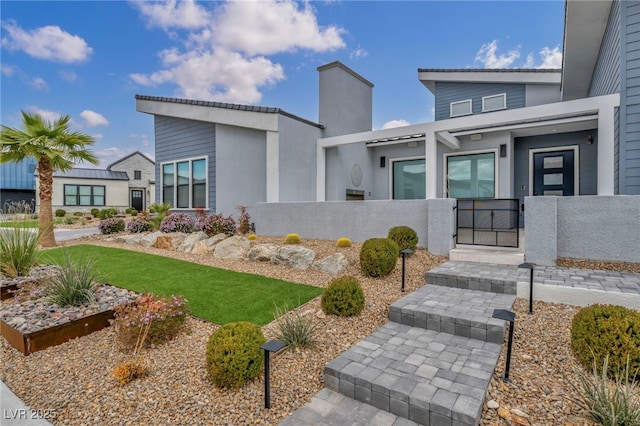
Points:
(487, 222)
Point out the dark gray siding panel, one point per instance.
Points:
(177, 139)
(606, 75)
(629, 138)
(452, 92)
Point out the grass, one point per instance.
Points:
(214, 294)
(26, 223)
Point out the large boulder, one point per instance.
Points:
(294, 256)
(235, 247)
(335, 264)
(208, 245)
(191, 240)
(262, 252)
(129, 238)
(163, 242)
(149, 240)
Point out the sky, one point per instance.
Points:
(88, 59)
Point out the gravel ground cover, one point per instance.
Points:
(74, 379)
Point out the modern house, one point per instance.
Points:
(539, 138)
(17, 183)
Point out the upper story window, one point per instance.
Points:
(460, 108)
(184, 183)
(494, 102)
(137, 174)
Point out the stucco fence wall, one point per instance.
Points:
(587, 227)
(359, 220)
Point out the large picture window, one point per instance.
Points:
(84, 195)
(184, 183)
(409, 180)
(471, 176)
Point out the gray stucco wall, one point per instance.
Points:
(453, 92)
(241, 168)
(382, 175)
(592, 227)
(340, 163)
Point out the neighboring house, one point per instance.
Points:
(125, 183)
(17, 183)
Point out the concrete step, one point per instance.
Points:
(456, 311)
(487, 255)
(488, 277)
(427, 376)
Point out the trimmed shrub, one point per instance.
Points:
(343, 297)
(292, 239)
(127, 210)
(404, 237)
(234, 356)
(77, 214)
(216, 224)
(105, 214)
(134, 212)
(378, 257)
(111, 226)
(95, 212)
(177, 222)
(601, 331)
(60, 213)
(343, 242)
(139, 224)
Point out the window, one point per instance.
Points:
(84, 195)
(460, 108)
(494, 102)
(184, 183)
(137, 174)
(409, 180)
(471, 176)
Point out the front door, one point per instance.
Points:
(553, 173)
(136, 199)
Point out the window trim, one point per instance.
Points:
(137, 175)
(484, 98)
(496, 168)
(393, 160)
(77, 195)
(189, 160)
(469, 101)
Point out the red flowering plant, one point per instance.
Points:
(165, 318)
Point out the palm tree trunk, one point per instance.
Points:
(45, 176)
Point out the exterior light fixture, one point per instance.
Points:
(505, 315)
(404, 253)
(270, 346)
(530, 267)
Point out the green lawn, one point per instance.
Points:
(25, 223)
(216, 295)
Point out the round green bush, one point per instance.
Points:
(599, 331)
(77, 213)
(127, 210)
(60, 213)
(95, 212)
(292, 239)
(343, 242)
(404, 237)
(343, 297)
(134, 212)
(234, 356)
(378, 257)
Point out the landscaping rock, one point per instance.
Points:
(129, 238)
(150, 239)
(191, 240)
(235, 247)
(294, 256)
(208, 245)
(163, 242)
(262, 252)
(335, 264)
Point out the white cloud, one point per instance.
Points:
(47, 115)
(358, 53)
(69, 76)
(97, 136)
(8, 70)
(395, 123)
(93, 119)
(109, 155)
(551, 58)
(179, 14)
(38, 83)
(49, 43)
(489, 59)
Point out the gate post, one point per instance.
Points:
(440, 225)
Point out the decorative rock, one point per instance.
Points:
(150, 239)
(262, 252)
(504, 413)
(208, 245)
(176, 238)
(163, 242)
(235, 247)
(189, 242)
(493, 404)
(294, 257)
(335, 264)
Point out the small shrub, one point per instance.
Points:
(111, 226)
(252, 237)
(378, 257)
(601, 331)
(244, 220)
(77, 214)
(233, 354)
(74, 284)
(127, 210)
(343, 242)
(134, 212)
(106, 214)
(60, 213)
(216, 224)
(70, 220)
(177, 222)
(139, 224)
(95, 212)
(404, 237)
(127, 371)
(18, 250)
(292, 239)
(343, 297)
(294, 329)
(166, 318)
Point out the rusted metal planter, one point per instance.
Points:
(38, 340)
(7, 291)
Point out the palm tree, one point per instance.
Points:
(55, 148)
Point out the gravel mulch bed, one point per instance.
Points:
(75, 378)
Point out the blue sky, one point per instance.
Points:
(88, 59)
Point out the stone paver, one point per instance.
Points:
(487, 277)
(611, 281)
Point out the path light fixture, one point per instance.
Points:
(505, 315)
(530, 267)
(404, 253)
(270, 346)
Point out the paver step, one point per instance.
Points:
(456, 311)
(427, 376)
(478, 276)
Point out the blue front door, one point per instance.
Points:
(553, 173)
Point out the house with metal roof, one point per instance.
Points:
(17, 183)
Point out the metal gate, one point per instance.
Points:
(487, 222)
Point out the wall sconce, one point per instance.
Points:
(589, 139)
(383, 161)
(475, 136)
